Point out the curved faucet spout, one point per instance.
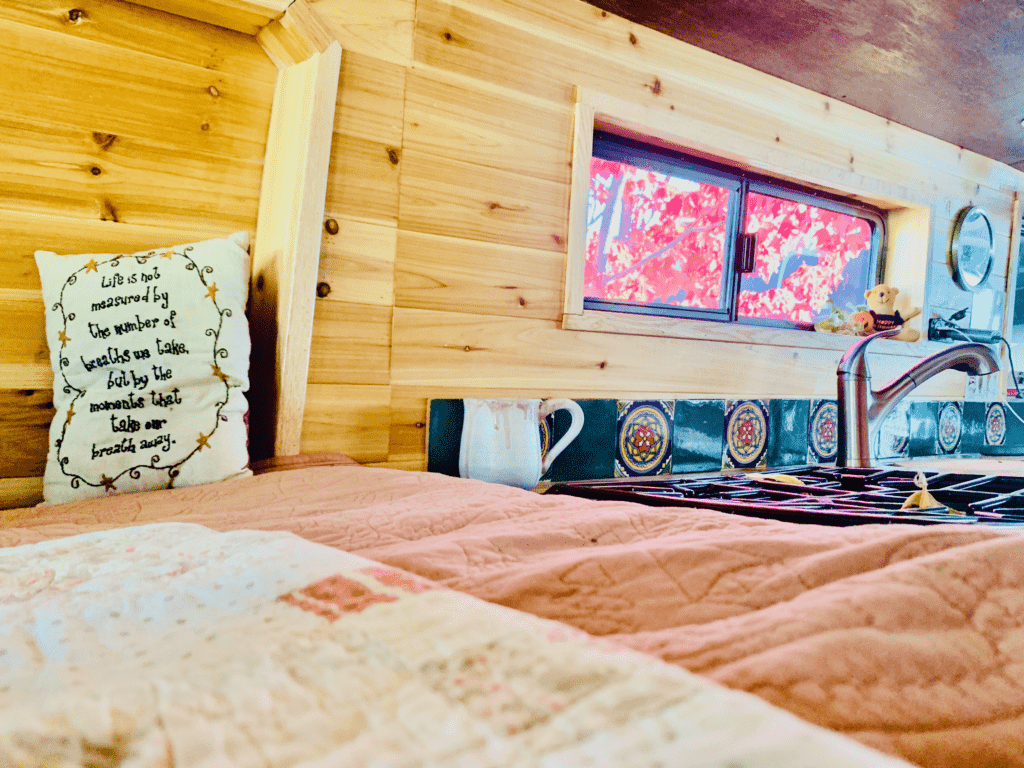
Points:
(862, 409)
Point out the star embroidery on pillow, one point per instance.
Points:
(167, 254)
(91, 266)
(212, 291)
(219, 373)
(64, 339)
(71, 412)
(203, 441)
(108, 483)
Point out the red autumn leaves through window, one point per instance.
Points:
(652, 238)
(659, 239)
(806, 256)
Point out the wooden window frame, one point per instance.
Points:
(659, 128)
(740, 184)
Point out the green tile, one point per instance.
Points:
(787, 441)
(444, 436)
(591, 455)
(697, 435)
(1013, 443)
(923, 428)
(974, 428)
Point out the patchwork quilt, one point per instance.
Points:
(172, 645)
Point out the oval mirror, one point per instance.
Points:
(971, 251)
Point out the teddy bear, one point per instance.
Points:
(881, 303)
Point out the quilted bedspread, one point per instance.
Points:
(173, 645)
(907, 638)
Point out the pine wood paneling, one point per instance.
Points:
(20, 492)
(55, 169)
(25, 415)
(246, 16)
(456, 351)
(441, 196)
(135, 28)
(23, 330)
(48, 74)
(25, 233)
(363, 180)
(358, 263)
(579, 25)
(370, 99)
(408, 439)
(351, 344)
(382, 28)
(456, 275)
(448, 118)
(348, 419)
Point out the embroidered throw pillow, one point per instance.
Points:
(150, 356)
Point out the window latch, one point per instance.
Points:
(746, 263)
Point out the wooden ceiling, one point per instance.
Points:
(950, 68)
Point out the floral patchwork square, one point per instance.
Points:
(643, 438)
(746, 434)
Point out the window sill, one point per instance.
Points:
(734, 333)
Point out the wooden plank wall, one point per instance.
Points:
(122, 128)
(449, 196)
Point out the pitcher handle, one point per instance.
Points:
(557, 404)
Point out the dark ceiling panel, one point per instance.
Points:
(950, 68)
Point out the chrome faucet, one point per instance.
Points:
(862, 409)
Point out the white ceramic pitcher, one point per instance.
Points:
(501, 439)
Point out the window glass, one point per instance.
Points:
(655, 238)
(806, 256)
(669, 234)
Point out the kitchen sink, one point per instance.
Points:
(826, 495)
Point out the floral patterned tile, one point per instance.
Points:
(950, 427)
(745, 441)
(995, 424)
(643, 444)
(823, 432)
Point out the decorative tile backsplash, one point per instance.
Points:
(629, 438)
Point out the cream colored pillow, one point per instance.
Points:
(150, 354)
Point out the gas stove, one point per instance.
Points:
(825, 495)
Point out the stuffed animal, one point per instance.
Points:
(881, 302)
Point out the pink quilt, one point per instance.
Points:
(907, 638)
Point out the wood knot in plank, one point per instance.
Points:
(632, 39)
(522, 302)
(107, 211)
(323, 290)
(76, 15)
(656, 88)
(500, 206)
(213, 91)
(204, 127)
(393, 156)
(103, 140)
(450, 37)
(95, 170)
(603, 364)
(331, 226)
(419, 425)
